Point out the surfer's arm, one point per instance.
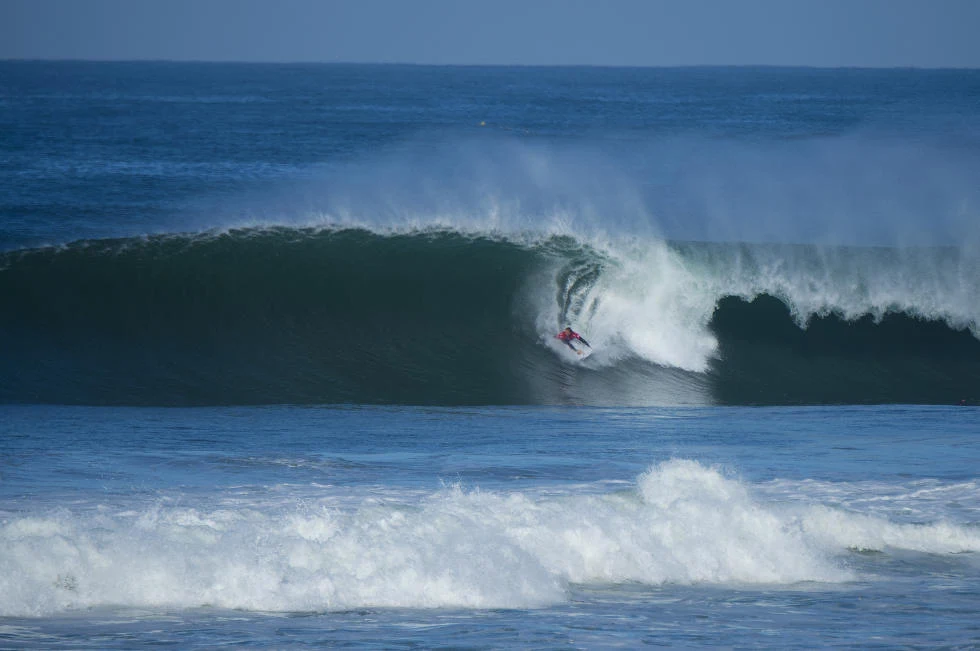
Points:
(584, 341)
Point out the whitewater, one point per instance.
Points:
(691, 522)
(278, 364)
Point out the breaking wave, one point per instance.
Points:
(442, 316)
(681, 523)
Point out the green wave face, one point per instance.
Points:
(284, 315)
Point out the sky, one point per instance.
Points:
(824, 33)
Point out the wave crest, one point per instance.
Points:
(286, 315)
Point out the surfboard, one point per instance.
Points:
(585, 353)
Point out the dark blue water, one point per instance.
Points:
(277, 364)
(105, 149)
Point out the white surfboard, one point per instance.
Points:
(583, 353)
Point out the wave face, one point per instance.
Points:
(302, 315)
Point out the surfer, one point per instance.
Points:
(568, 335)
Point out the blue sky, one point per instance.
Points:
(922, 33)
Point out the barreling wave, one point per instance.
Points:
(350, 315)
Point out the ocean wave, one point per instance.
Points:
(435, 315)
(682, 522)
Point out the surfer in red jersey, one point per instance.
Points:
(568, 335)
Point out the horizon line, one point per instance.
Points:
(480, 65)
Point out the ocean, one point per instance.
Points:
(278, 365)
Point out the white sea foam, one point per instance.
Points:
(832, 527)
(647, 302)
(655, 300)
(681, 523)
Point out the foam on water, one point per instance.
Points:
(682, 523)
(655, 300)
